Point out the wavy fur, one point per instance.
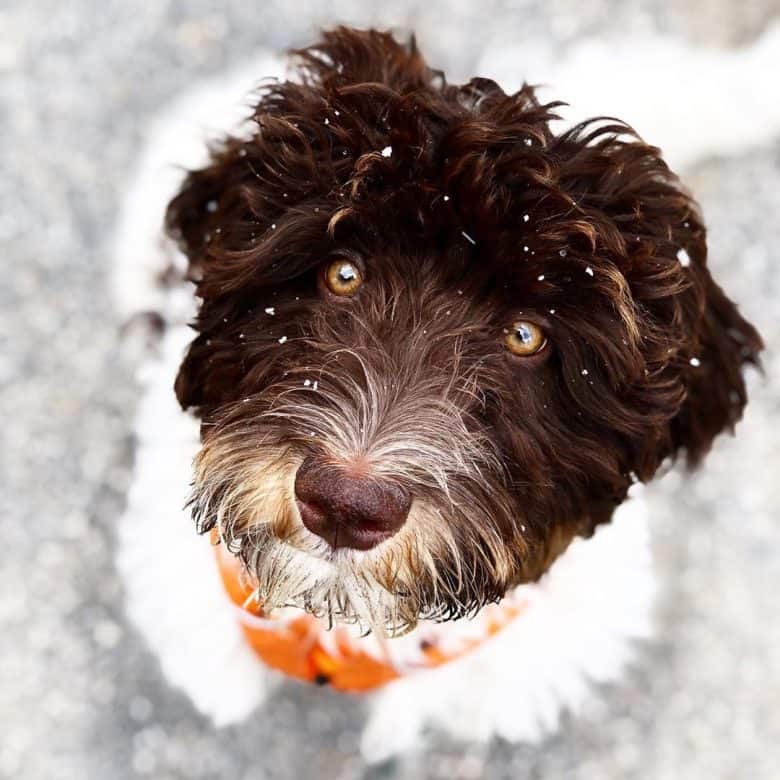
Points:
(466, 212)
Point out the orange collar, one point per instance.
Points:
(303, 647)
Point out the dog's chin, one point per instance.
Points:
(338, 586)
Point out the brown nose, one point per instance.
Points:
(348, 508)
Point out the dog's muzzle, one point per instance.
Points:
(348, 506)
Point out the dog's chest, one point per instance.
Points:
(307, 648)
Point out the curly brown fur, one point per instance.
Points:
(477, 215)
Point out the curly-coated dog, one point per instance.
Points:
(437, 340)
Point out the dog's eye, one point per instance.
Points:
(343, 277)
(524, 338)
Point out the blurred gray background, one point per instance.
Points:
(80, 695)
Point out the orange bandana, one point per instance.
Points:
(302, 646)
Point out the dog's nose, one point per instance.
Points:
(349, 508)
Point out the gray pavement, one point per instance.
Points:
(80, 695)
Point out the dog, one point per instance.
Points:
(436, 342)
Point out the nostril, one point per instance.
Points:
(348, 509)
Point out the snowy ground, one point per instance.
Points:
(80, 695)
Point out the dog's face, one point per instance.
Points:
(436, 340)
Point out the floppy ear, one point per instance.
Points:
(722, 343)
(693, 340)
(205, 201)
(676, 380)
(714, 343)
(207, 197)
(225, 222)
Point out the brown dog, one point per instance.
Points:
(436, 340)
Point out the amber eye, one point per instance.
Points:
(524, 338)
(343, 277)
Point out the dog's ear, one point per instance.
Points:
(692, 341)
(695, 341)
(722, 342)
(206, 201)
(706, 373)
(674, 346)
(706, 340)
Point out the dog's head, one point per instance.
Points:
(437, 340)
